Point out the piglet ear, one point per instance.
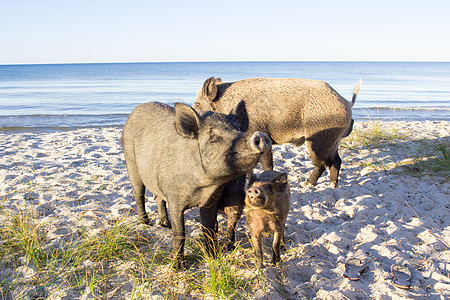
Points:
(281, 181)
(240, 111)
(187, 121)
(209, 89)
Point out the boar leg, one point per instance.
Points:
(179, 233)
(139, 196)
(276, 246)
(266, 160)
(316, 154)
(231, 233)
(162, 212)
(256, 239)
(138, 190)
(208, 218)
(233, 214)
(335, 166)
(283, 240)
(316, 173)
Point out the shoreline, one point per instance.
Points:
(391, 206)
(65, 122)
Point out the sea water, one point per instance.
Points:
(66, 96)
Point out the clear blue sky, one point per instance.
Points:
(62, 31)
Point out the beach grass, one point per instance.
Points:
(431, 156)
(223, 276)
(104, 263)
(374, 135)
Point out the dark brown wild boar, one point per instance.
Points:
(289, 110)
(231, 204)
(267, 204)
(187, 159)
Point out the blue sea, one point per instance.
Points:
(67, 96)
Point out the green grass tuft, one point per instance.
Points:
(224, 279)
(22, 235)
(372, 136)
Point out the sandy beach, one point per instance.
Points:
(392, 206)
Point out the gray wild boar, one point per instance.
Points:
(187, 159)
(267, 204)
(289, 110)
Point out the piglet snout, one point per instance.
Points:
(256, 196)
(254, 192)
(260, 142)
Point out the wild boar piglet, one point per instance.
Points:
(267, 204)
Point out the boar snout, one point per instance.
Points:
(260, 142)
(256, 197)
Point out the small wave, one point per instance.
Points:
(405, 108)
(63, 122)
(63, 115)
(32, 129)
(59, 122)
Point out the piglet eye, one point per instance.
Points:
(213, 138)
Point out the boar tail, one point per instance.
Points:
(355, 92)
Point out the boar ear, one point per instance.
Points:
(240, 111)
(187, 121)
(281, 182)
(249, 179)
(209, 90)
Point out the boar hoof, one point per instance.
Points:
(260, 265)
(307, 183)
(165, 223)
(144, 219)
(230, 247)
(276, 262)
(333, 184)
(178, 263)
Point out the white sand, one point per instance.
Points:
(381, 210)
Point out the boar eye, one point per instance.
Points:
(213, 138)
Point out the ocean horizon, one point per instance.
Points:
(68, 96)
